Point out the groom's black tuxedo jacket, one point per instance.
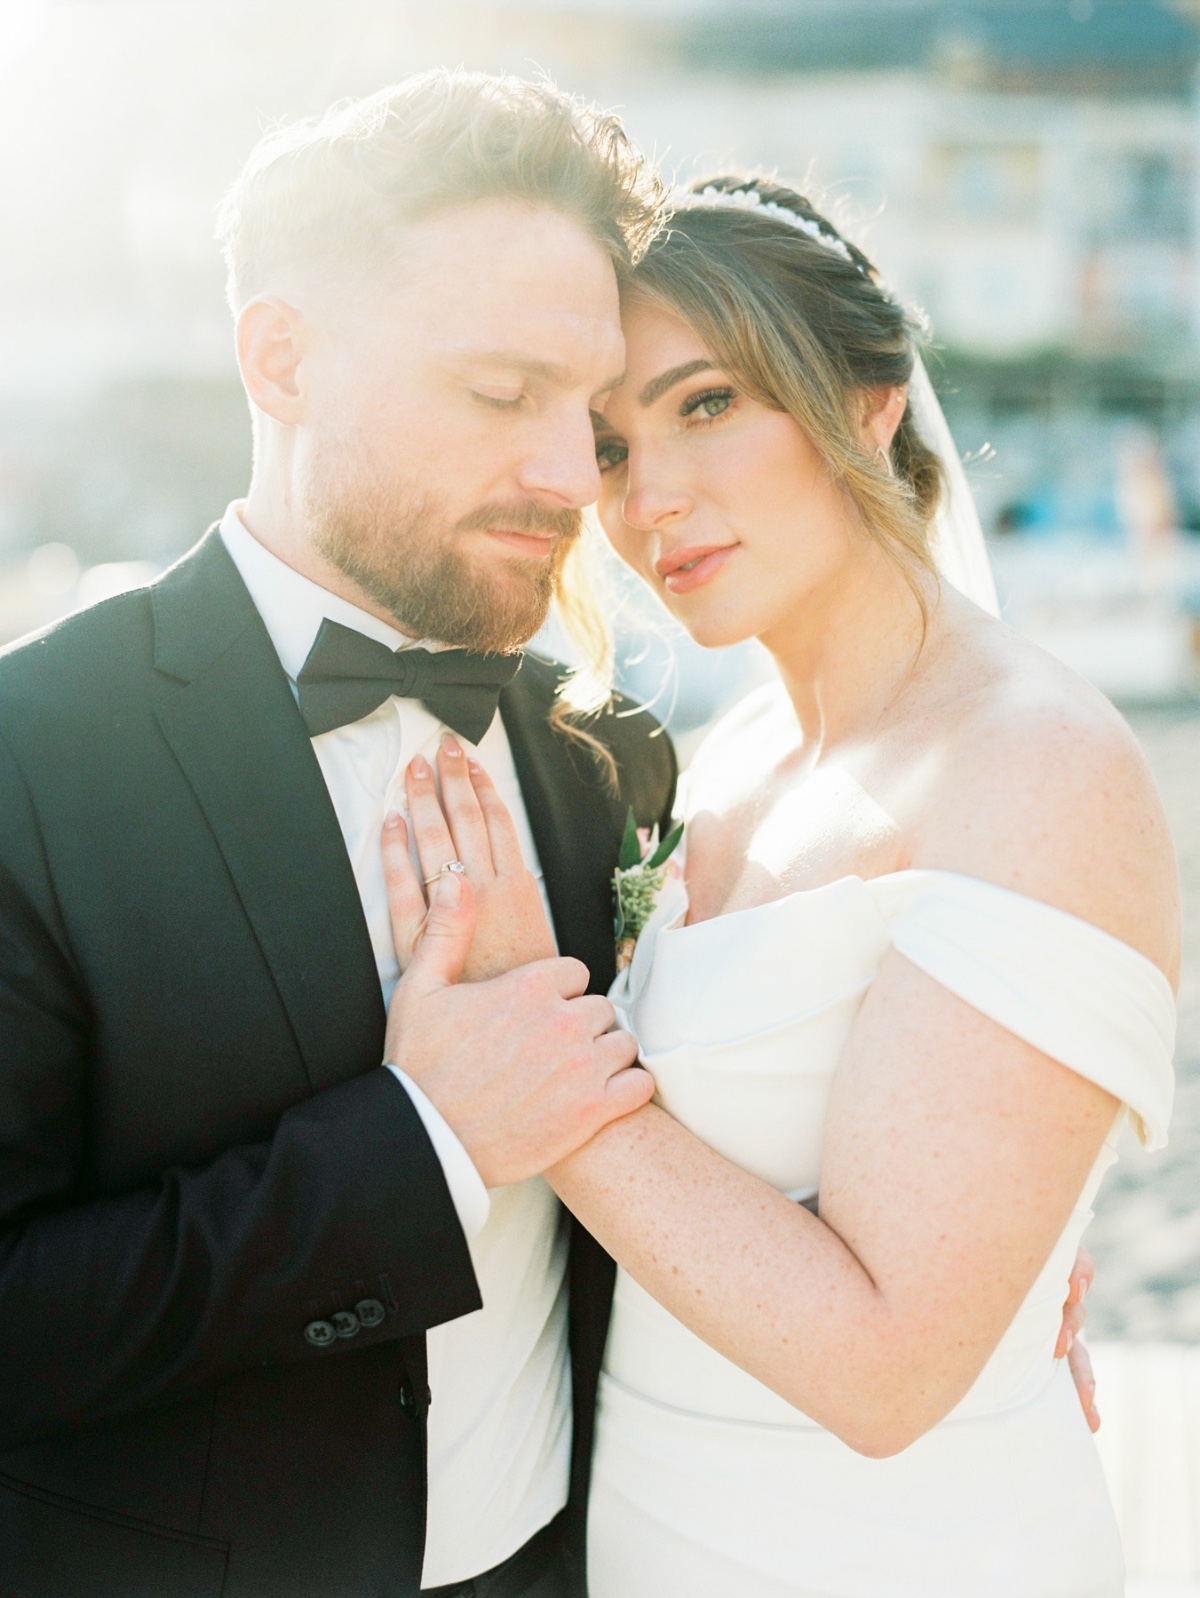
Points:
(199, 1150)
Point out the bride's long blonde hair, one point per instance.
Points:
(585, 619)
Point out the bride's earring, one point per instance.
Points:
(884, 461)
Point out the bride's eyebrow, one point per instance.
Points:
(658, 386)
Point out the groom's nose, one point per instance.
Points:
(560, 463)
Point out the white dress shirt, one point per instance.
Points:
(500, 1420)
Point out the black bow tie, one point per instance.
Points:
(348, 675)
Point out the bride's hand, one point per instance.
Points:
(470, 823)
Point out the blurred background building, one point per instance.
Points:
(1028, 171)
(1025, 170)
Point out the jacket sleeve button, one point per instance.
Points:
(370, 1312)
(413, 1403)
(345, 1323)
(320, 1334)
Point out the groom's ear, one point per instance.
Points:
(271, 343)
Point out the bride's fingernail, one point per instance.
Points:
(418, 767)
(475, 767)
(450, 745)
(392, 819)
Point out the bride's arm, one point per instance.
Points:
(954, 1152)
(943, 1191)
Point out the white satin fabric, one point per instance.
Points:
(708, 1485)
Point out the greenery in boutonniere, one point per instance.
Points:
(642, 869)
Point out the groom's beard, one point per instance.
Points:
(400, 548)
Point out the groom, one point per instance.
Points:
(262, 1323)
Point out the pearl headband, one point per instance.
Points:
(752, 200)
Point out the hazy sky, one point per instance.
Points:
(122, 121)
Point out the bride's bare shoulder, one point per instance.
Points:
(1041, 786)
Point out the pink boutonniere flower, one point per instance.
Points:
(643, 865)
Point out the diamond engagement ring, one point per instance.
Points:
(451, 865)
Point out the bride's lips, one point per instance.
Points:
(538, 545)
(685, 569)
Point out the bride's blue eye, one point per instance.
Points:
(712, 402)
(611, 453)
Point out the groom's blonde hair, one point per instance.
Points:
(335, 192)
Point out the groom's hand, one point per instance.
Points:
(523, 1067)
(1070, 1344)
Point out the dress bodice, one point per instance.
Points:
(742, 1020)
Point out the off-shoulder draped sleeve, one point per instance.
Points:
(1072, 990)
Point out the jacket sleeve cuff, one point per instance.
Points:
(469, 1196)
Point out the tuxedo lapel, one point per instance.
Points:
(227, 711)
(571, 818)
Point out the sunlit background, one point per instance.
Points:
(1027, 170)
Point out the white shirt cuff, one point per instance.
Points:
(465, 1183)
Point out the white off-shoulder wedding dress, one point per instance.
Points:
(706, 1484)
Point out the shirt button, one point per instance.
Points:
(345, 1323)
(370, 1312)
(320, 1334)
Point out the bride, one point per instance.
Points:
(921, 966)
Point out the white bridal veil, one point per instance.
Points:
(958, 545)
